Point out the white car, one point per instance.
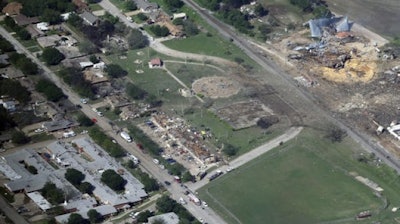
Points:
(39, 130)
(156, 161)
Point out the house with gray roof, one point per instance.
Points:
(58, 125)
(89, 18)
(145, 6)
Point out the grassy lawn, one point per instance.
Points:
(188, 73)
(304, 181)
(245, 139)
(154, 81)
(118, 3)
(208, 45)
(95, 7)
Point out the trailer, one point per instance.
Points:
(194, 199)
(126, 136)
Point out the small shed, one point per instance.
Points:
(155, 62)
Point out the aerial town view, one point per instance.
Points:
(199, 111)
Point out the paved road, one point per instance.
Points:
(10, 212)
(304, 101)
(146, 161)
(289, 134)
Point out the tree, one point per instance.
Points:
(85, 121)
(75, 20)
(266, 122)
(143, 216)
(190, 28)
(230, 150)
(142, 17)
(165, 204)
(335, 134)
(186, 177)
(93, 58)
(75, 218)
(175, 169)
(130, 164)
(52, 92)
(6, 120)
(14, 89)
(24, 64)
(52, 56)
(130, 6)
(137, 40)
(23, 34)
(19, 137)
(94, 216)
(135, 92)
(260, 11)
(51, 16)
(6, 46)
(321, 11)
(174, 4)
(52, 193)
(87, 47)
(32, 170)
(159, 31)
(113, 180)
(305, 5)
(115, 71)
(86, 187)
(75, 177)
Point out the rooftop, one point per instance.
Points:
(57, 125)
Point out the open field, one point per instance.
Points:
(209, 45)
(188, 73)
(245, 139)
(380, 16)
(304, 181)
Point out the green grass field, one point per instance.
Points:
(304, 181)
(245, 139)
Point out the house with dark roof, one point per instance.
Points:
(81, 5)
(23, 20)
(89, 18)
(57, 125)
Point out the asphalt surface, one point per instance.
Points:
(309, 103)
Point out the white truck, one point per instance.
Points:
(126, 136)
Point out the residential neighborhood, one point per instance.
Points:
(193, 111)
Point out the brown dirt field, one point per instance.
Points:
(216, 87)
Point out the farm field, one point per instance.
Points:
(380, 16)
(307, 180)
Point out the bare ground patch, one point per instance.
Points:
(216, 87)
(243, 114)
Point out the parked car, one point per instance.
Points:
(167, 183)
